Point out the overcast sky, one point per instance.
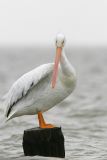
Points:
(31, 22)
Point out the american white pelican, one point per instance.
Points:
(42, 88)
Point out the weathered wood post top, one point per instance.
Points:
(47, 142)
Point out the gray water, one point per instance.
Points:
(82, 116)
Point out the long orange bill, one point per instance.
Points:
(55, 71)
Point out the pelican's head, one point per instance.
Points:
(60, 41)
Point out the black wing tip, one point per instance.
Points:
(8, 112)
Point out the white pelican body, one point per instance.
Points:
(32, 93)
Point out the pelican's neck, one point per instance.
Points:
(66, 67)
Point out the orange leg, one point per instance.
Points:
(42, 123)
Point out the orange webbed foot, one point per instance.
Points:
(47, 126)
(42, 123)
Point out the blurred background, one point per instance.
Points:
(36, 22)
(27, 40)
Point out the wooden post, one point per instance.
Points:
(44, 142)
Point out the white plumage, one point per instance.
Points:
(32, 93)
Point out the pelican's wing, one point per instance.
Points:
(24, 84)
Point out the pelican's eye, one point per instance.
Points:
(62, 42)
